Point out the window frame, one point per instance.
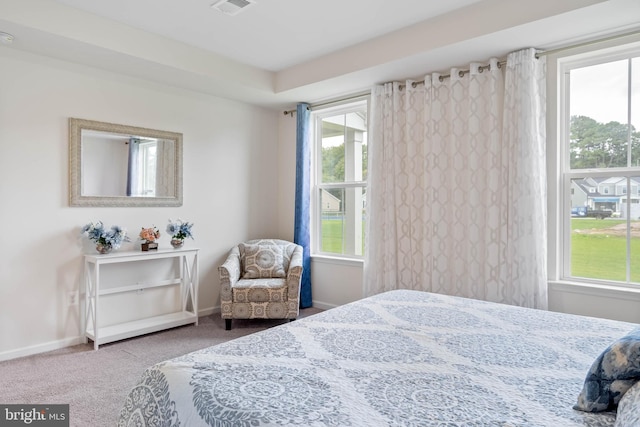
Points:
(145, 148)
(317, 115)
(561, 244)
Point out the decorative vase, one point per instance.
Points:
(149, 246)
(177, 243)
(103, 248)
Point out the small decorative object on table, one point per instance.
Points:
(149, 236)
(179, 231)
(105, 240)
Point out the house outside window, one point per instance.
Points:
(600, 161)
(340, 180)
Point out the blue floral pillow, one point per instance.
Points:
(611, 374)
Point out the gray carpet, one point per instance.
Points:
(95, 383)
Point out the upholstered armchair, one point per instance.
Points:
(261, 280)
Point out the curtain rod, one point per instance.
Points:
(461, 73)
(583, 44)
(333, 101)
(500, 63)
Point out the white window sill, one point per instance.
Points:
(622, 291)
(327, 259)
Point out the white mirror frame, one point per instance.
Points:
(76, 126)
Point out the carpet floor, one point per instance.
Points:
(95, 383)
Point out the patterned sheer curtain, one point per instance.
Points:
(456, 196)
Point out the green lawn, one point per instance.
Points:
(602, 256)
(594, 256)
(332, 236)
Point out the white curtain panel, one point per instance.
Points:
(456, 196)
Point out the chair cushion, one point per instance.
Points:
(263, 261)
(260, 290)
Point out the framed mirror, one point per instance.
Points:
(126, 166)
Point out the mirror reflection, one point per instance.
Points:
(126, 165)
(117, 165)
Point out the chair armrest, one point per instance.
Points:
(294, 275)
(229, 274)
(296, 257)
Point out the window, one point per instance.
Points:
(600, 160)
(147, 167)
(340, 180)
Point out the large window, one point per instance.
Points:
(601, 166)
(339, 191)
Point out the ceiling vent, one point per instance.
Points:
(232, 7)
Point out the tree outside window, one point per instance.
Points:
(341, 174)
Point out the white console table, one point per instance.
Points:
(187, 280)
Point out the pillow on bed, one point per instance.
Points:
(629, 408)
(611, 374)
(263, 261)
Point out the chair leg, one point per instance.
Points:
(227, 324)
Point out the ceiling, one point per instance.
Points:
(270, 34)
(278, 52)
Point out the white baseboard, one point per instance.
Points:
(208, 311)
(68, 342)
(40, 348)
(322, 305)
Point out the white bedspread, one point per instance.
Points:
(400, 358)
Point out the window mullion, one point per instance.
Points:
(628, 215)
(629, 164)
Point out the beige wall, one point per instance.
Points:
(231, 165)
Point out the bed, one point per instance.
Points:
(398, 358)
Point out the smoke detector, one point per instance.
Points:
(232, 7)
(6, 38)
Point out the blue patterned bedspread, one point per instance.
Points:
(402, 358)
